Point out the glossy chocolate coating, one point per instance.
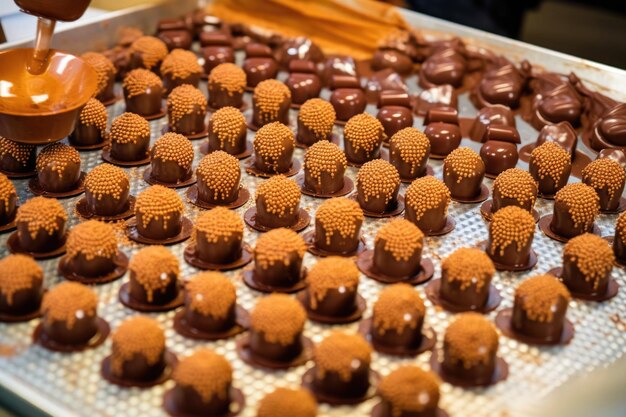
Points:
(159, 297)
(615, 154)
(130, 151)
(83, 329)
(471, 297)
(85, 135)
(395, 118)
(9, 164)
(443, 137)
(377, 204)
(273, 350)
(432, 220)
(208, 194)
(496, 115)
(8, 209)
(438, 96)
(332, 383)
(499, 201)
(547, 185)
(303, 86)
(329, 182)
(408, 338)
(282, 116)
(168, 171)
(386, 79)
(563, 223)
(610, 130)
(562, 133)
(271, 220)
(220, 97)
(503, 85)
(555, 103)
(176, 39)
(120, 57)
(158, 228)
(481, 373)
(43, 241)
(216, 145)
(298, 48)
(137, 368)
(407, 170)
(446, 66)
(258, 50)
(215, 55)
(498, 156)
(50, 180)
(146, 104)
(170, 83)
(190, 124)
(222, 251)
(463, 187)
(302, 66)
(215, 38)
(389, 58)
(307, 136)
(576, 282)
(23, 301)
(336, 243)
(259, 69)
(360, 156)
(209, 323)
(95, 267)
(348, 102)
(173, 23)
(619, 247)
(512, 255)
(187, 400)
(385, 262)
(107, 204)
(548, 330)
(340, 65)
(285, 273)
(608, 201)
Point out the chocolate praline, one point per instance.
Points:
(561, 103)
(105, 71)
(278, 258)
(270, 103)
(496, 115)
(587, 265)
(226, 86)
(277, 202)
(347, 98)
(377, 185)
(259, 69)
(324, 168)
(514, 187)
(58, 168)
(550, 165)
(332, 287)
(176, 39)
(409, 392)
(91, 249)
(159, 213)
(499, 152)
(315, 121)
(218, 177)
(409, 150)
(445, 66)
(147, 52)
(395, 112)
(8, 200)
(40, 224)
(502, 85)
(210, 302)
(382, 80)
(576, 207)
(107, 189)
(338, 224)
(362, 138)
(616, 155)
(466, 276)
(606, 177)
(427, 201)
(178, 68)
(171, 158)
(288, 402)
(607, 131)
(91, 125)
(442, 130)
(276, 326)
(303, 86)
(143, 91)
(216, 55)
(341, 66)
(511, 233)
(130, 138)
(619, 239)
(398, 249)
(540, 307)
(186, 110)
(70, 314)
(463, 173)
(153, 279)
(17, 158)
(438, 96)
(215, 37)
(21, 285)
(561, 133)
(227, 131)
(274, 145)
(218, 236)
(390, 58)
(298, 48)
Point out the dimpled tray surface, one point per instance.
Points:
(70, 384)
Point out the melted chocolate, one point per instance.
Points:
(446, 66)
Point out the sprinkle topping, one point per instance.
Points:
(56, 157)
(284, 402)
(279, 318)
(228, 123)
(219, 224)
(410, 389)
(341, 353)
(94, 114)
(103, 66)
(592, 255)
(427, 193)
(272, 141)
(412, 145)
(471, 340)
(268, 96)
(138, 335)
(469, 266)
(331, 273)
(278, 245)
(151, 50)
(620, 226)
(185, 100)
(18, 151)
(67, 302)
(364, 131)
(340, 215)
(219, 172)
(7, 191)
(605, 173)
(206, 372)
(92, 239)
(318, 116)
(539, 296)
(582, 202)
(18, 272)
(324, 157)
(399, 306)
(378, 178)
(158, 202)
(107, 180)
(228, 77)
(210, 294)
(463, 162)
(154, 268)
(174, 147)
(40, 213)
(128, 128)
(551, 160)
(511, 225)
(180, 64)
(139, 81)
(401, 238)
(517, 184)
(281, 196)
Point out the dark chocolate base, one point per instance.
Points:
(8, 227)
(79, 188)
(21, 318)
(544, 226)
(396, 211)
(356, 315)
(126, 299)
(192, 137)
(485, 211)
(503, 322)
(19, 175)
(254, 127)
(429, 171)
(307, 382)
(304, 219)
(121, 266)
(500, 373)
(482, 196)
(251, 282)
(192, 259)
(611, 290)
(236, 406)
(41, 338)
(133, 234)
(450, 225)
(107, 374)
(243, 195)
(204, 150)
(246, 355)
(183, 328)
(384, 154)
(14, 247)
(433, 293)
(107, 157)
(333, 138)
(83, 211)
(365, 263)
(155, 116)
(309, 239)
(147, 177)
(530, 264)
(253, 170)
(348, 187)
(429, 338)
(620, 208)
(378, 411)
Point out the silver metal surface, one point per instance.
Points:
(70, 385)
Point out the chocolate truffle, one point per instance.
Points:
(138, 350)
(180, 67)
(540, 307)
(203, 385)
(154, 274)
(226, 85)
(377, 184)
(147, 52)
(606, 131)
(58, 168)
(587, 265)
(606, 177)
(465, 279)
(511, 233)
(277, 202)
(91, 125)
(514, 187)
(503, 84)
(463, 173)
(576, 207)
(298, 48)
(427, 201)
(445, 66)
(409, 149)
(398, 249)
(562, 133)
(362, 137)
(442, 130)
(278, 258)
(215, 55)
(386, 79)
(390, 58)
(284, 402)
(41, 225)
(342, 366)
(8, 201)
(130, 138)
(171, 158)
(550, 165)
(324, 168)
(107, 189)
(409, 391)
(494, 115)
(498, 156)
(159, 213)
(397, 317)
(218, 176)
(186, 110)
(276, 325)
(218, 236)
(470, 346)
(271, 101)
(338, 224)
(619, 239)
(70, 314)
(259, 69)
(21, 285)
(227, 131)
(303, 86)
(16, 158)
(176, 39)
(394, 111)
(347, 98)
(332, 287)
(143, 91)
(105, 72)
(273, 149)
(315, 121)
(91, 249)
(210, 302)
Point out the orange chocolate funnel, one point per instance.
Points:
(42, 108)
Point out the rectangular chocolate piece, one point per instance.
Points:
(215, 38)
(394, 98)
(442, 114)
(302, 65)
(502, 133)
(344, 81)
(258, 50)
